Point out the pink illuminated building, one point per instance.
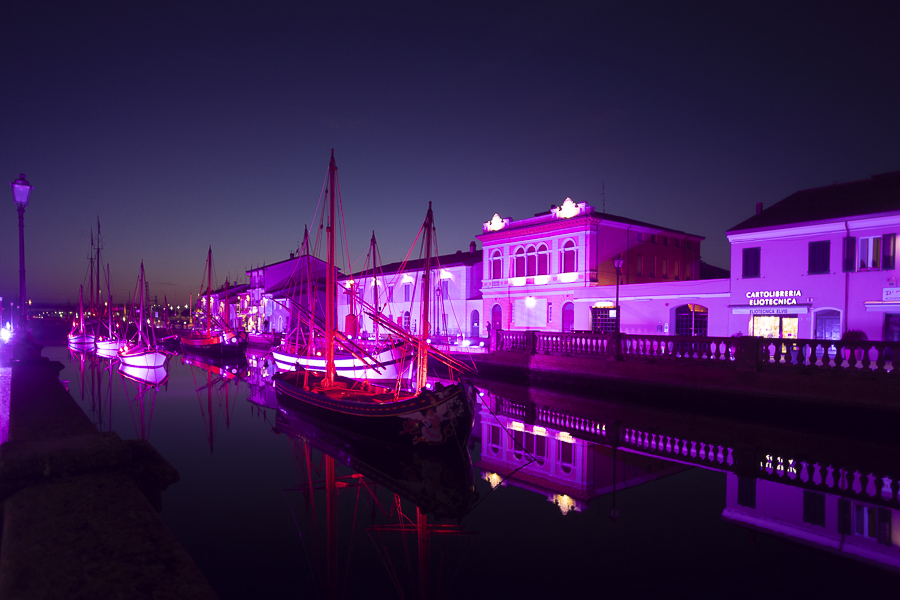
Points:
(554, 272)
(819, 263)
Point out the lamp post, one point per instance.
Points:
(618, 261)
(21, 190)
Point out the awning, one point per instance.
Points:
(883, 306)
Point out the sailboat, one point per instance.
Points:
(387, 362)
(443, 415)
(141, 351)
(110, 345)
(79, 336)
(220, 340)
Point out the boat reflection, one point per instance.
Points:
(436, 482)
(141, 387)
(223, 374)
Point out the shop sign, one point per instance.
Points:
(773, 297)
(890, 294)
(752, 310)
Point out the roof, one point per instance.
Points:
(876, 195)
(467, 259)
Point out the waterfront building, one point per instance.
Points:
(455, 311)
(265, 306)
(554, 272)
(819, 263)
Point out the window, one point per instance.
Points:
(869, 257)
(496, 265)
(530, 262)
(891, 327)
(406, 322)
(691, 319)
(520, 263)
(602, 321)
(407, 291)
(750, 258)
(444, 290)
(494, 442)
(640, 237)
(390, 293)
(639, 266)
(566, 455)
(652, 239)
(814, 508)
(888, 249)
(664, 240)
(474, 330)
(568, 317)
(746, 491)
(849, 254)
(543, 260)
(819, 257)
(676, 274)
(864, 520)
(677, 242)
(652, 266)
(828, 325)
(665, 268)
(569, 263)
(687, 244)
(532, 445)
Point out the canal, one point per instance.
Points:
(707, 505)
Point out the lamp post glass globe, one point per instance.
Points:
(21, 190)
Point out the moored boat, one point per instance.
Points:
(141, 351)
(80, 336)
(218, 339)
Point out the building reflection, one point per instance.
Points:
(814, 488)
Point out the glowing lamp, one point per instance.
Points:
(618, 261)
(21, 190)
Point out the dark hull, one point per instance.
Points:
(437, 479)
(229, 367)
(440, 417)
(207, 347)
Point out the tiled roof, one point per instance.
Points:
(878, 194)
(447, 260)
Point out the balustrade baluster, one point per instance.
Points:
(817, 474)
(829, 477)
(895, 489)
(684, 448)
(702, 452)
(804, 473)
(669, 444)
(870, 486)
(730, 458)
(719, 456)
(693, 449)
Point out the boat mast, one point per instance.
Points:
(109, 300)
(141, 335)
(329, 280)
(374, 288)
(81, 309)
(208, 288)
(91, 278)
(422, 367)
(99, 306)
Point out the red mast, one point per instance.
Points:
(329, 280)
(422, 367)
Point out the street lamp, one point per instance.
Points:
(21, 190)
(618, 261)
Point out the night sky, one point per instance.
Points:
(188, 124)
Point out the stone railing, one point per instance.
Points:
(737, 352)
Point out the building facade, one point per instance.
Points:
(819, 263)
(553, 271)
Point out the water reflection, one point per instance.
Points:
(217, 394)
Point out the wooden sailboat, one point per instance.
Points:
(218, 339)
(141, 351)
(111, 343)
(434, 417)
(79, 336)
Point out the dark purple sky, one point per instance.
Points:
(186, 124)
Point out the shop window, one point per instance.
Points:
(819, 257)
(691, 319)
(869, 256)
(774, 327)
(496, 265)
(814, 508)
(519, 268)
(543, 260)
(602, 321)
(891, 327)
(569, 263)
(750, 259)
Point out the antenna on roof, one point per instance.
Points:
(603, 195)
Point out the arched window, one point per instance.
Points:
(569, 264)
(543, 260)
(496, 265)
(828, 325)
(496, 317)
(475, 324)
(520, 263)
(530, 262)
(691, 319)
(406, 320)
(568, 317)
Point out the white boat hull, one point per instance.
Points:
(144, 358)
(109, 346)
(397, 363)
(81, 339)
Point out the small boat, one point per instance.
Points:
(444, 415)
(220, 340)
(80, 337)
(141, 351)
(110, 345)
(155, 376)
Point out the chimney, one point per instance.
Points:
(759, 208)
(292, 255)
(472, 247)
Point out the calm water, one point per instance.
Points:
(543, 530)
